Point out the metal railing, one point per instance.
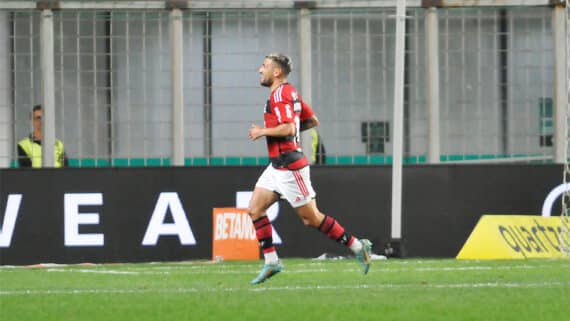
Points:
(159, 83)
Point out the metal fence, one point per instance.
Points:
(114, 82)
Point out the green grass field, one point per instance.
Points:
(395, 289)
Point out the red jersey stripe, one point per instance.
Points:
(301, 183)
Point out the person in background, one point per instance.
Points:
(318, 152)
(30, 148)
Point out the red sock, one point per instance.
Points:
(264, 233)
(335, 231)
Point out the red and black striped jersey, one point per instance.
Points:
(286, 106)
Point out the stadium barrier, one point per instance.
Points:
(513, 237)
(157, 214)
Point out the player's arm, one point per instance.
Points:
(308, 117)
(282, 130)
(284, 121)
(309, 123)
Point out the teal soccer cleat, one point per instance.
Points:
(267, 271)
(364, 255)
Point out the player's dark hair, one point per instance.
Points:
(283, 61)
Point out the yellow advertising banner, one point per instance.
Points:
(514, 237)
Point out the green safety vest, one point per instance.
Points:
(314, 145)
(34, 152)
(317, 148)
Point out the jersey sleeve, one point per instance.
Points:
(306, 111)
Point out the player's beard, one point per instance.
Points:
(266, 82)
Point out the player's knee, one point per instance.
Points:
(310, 216)
(314, 223)
(306, 222)
(254, 213)
(311, 221)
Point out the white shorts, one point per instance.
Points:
(294, 186)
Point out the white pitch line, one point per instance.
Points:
(221, 269)
(316, 267)
(394, 266)
(227, 270)
(223, 272)
(98, 271)
(27, 292)
(377, 268)
(438, 286)
(237, 271)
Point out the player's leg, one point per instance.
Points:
(329, 226)
(301, 188)
(264, 195)
(261, 200)
(298, 190)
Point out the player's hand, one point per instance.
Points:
(255, 132)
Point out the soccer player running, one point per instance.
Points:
(288, 175)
